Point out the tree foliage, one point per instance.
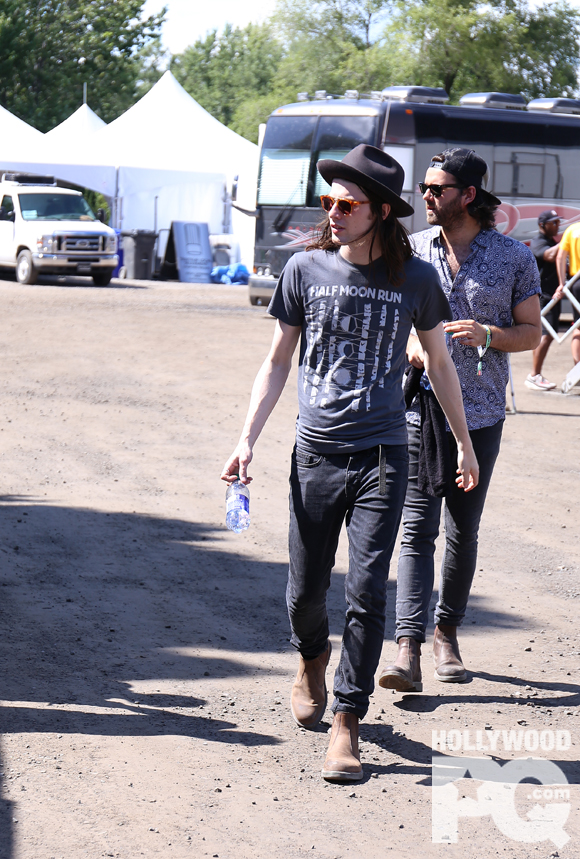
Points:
(221, 71)
(49, 48)
(241, 75)
(504, 45)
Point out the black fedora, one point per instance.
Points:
(370, 168)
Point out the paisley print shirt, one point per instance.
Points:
(498, 274)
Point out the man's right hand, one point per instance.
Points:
(415, 354)
(237, 465)
(559, 293)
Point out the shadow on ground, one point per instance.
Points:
(93, 603)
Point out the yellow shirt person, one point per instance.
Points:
(570, 250)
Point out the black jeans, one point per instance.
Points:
(324, 492)
(421, 518)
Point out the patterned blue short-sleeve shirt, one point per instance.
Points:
(499, 274)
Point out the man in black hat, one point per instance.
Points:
(351, 300)
(492, 283)
(545, 249)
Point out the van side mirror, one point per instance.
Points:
(234, 194)
(101, 216)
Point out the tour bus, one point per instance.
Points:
(533, 153)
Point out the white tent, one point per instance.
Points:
(78, 128)
(63, 155)
(177, 161)
(164, 159)
(168, 129)
(16, 132)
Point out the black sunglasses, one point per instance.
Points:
(436, 190)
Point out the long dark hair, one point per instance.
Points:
(483, 213)
(391, 236)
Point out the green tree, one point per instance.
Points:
(241, 75)
(222, 71)
(153, 60)
(331, 45)
(49, 48)
(503, 45)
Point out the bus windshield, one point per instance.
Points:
(286, 160)
(335, 137)
(292, 146)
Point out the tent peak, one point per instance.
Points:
(81, 124)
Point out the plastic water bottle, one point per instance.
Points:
(238, 507)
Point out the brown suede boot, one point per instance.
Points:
(308, 698)
(448, 665)
(343, 759)
(405, 674)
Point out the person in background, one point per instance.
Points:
(569, 257)
(545, 249)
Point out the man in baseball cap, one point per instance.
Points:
(545, 249)
(492, 283)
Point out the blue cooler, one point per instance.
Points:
(119, 253)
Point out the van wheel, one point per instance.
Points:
(102, 278)
(25, 271)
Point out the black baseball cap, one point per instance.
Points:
(547, 216)
(467, 166)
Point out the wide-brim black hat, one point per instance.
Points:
(370, 168)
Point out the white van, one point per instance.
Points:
(45, 229)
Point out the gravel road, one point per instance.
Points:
(144, 650)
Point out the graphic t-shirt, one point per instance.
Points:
(355, 326)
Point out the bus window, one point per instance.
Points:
(527, 174)
(336, 136)
(285, 160)
(405, 156)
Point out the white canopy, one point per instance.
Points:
(167, 146)
(78, 128)
(16, 132)
(168, 129)
(164, 159)
(59, 153)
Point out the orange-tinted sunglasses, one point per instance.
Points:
(347, 207)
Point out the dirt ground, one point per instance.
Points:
(145, 663)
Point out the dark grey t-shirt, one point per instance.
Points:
(355, 327)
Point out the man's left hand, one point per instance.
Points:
(467, 331)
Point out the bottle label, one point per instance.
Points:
(237, 502)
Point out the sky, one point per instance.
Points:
(188, 20)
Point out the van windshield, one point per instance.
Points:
(55, 207)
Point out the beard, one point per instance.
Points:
(450, 215)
